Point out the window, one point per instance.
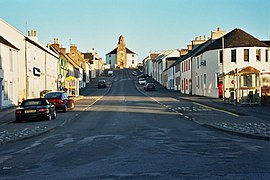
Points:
(204, 79)
(109, 55)
(247, 80)
(258, 54)
(10, 61)
(132, 61)
(110, 61)
(182, 67)
(266, 55)
(11, 89)
(201, 81)
(132, 55)
(233, 55)
(198, 62)
(5, 90)
(198, 82)
(221, 56)
(246, 55)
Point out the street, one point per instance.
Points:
(124, 132)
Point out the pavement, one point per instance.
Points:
(250, 121)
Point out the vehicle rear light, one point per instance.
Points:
(18, 111)
(43, 110)
(59, 101)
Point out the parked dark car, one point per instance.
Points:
(149, 87)
(102, 84)
(61, 100)
(38, 108)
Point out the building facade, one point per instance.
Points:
(121, 56)
(8, 74)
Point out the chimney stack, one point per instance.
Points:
(63, 50)
(217, 34)
(33, 35)
(73, 49)
(56, 43)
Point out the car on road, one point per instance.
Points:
(134, 73)
(142, 81)
(149, 87)
(102, 84)
(38, 108)
(142, 76)
(110, 73)
(61, 100)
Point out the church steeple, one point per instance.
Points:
(121, 40)
(121, 56)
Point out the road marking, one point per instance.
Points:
(227, 112)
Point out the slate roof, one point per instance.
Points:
(233, 39)
(267, 42)
(115, 51)
(7, 43)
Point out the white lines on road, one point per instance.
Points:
(220, 110)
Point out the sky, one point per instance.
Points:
(147, 25)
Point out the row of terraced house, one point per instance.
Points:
(28, 68)
(234, 66)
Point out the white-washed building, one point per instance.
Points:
(8, 74)
(121, 56)
(160, 64)
(230, 66)
(41, 65)
(37, 65)
(16, 38)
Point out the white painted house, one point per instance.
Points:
(160, 63)
(16, 38)
(41, 65)
(37, 65)
(8, 74)
(229, 66)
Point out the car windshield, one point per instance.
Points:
(34, 103)
(53, 95)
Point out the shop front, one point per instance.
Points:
(242, 86)
(72, 86)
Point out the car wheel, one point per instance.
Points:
(54, 114)
(65, 109)
(18, 120)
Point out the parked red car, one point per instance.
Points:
(61, 100)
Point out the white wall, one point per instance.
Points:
(131, 57)
(213, 68)
(8, 76)
(18, 40)
(185, 76)
(206, 72)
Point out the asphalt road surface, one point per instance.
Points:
(132, 134)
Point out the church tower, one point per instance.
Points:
(121, 56)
